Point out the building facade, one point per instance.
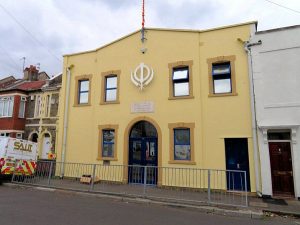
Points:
(29, 108)
(12, 109)
(179, 99)
(42, 117)
(275, 59)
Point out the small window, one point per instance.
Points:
(182, 146)
(221, 75)
(47, 105)
(278, 135)
(108, 143)
(83, 91)
(19, 136)
(6, 106)
(181, 82)
(22, 107)
(110, 85)
(38, 103)
(4, 134)
(182, 143)
(111, 88)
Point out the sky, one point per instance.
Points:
(43, 31)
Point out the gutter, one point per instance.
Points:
(247, 47)
(64, 146)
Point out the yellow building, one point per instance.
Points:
(179, 99)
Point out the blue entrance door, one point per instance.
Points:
(143, 154)
(237, 161)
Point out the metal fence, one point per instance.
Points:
(184, 185)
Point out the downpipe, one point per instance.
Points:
(64, 146)
(247, 47)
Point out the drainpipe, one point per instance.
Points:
(63, 154)
(247, 47)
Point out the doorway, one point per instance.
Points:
(142, 159)
(281, 168)
(237, 164)
(46, 146)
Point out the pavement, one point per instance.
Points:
(26, 205)
(258, 207)
(280, 206)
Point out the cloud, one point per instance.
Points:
(69, 26)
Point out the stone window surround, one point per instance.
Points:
(173, 126)
(180, 64)
(222, 59)
(100, 141)
(104, 75)
(77, 79)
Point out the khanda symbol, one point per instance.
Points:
(142, 79)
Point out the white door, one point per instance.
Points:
(46, 147)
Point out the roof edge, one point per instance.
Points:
(278, 29)
(164, 29)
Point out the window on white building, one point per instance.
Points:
(4, 134)
(6, 106)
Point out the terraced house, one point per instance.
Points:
(29, 108)
(176, 98)
(275, 62)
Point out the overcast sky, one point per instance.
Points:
(44, 30)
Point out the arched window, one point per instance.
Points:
(143, 129)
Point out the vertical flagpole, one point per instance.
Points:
(143, 21)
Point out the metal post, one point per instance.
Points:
(145, 180)
(246, 188)
(93, 177)
(208, 186)
(13, 176)
(50, 173)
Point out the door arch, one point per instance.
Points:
(148, 132)
(33, 137)
(143, 144)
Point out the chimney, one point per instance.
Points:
(31, 73)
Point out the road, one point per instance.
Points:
(27, 206)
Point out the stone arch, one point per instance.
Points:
(126, 144)
(33, 135)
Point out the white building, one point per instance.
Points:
(275, 68)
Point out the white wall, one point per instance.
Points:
(276, 74)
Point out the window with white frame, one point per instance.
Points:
(4, 134)
(83, 91)
(111, 88)
(22, 107)
(37, 106)
(19, 136)
(221, 75)
(6, 106)
(47, 105)
(181, 81)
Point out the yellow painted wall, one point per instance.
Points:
(215, 118)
